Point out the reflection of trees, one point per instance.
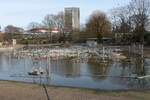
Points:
(5, 62)
(67, 69)
(1, 62)
(139, 66)
(98, 69)
(139, 70)
(126, 68)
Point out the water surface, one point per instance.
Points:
(86, 75)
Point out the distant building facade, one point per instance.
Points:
(72, 18)
(119, 36)
(43, 30)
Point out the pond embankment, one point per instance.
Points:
(11, 48)
(24, 91)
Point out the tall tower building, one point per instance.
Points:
(72, 18)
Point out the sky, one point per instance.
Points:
(21, 12)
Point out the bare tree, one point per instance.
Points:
(98, 23)
(132, 18)
(13, 29)
(33, 25)
(121, 21)
(49, 23)
(61, 26)
(60, 21)
(121, 25)
(140, 13)
(13, 32)
(55, 21)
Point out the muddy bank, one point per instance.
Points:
(23, 91)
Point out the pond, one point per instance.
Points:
(112, 75)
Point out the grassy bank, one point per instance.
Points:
(23, 91)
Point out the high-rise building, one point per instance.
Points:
(72, 18)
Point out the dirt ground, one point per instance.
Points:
(24, 91)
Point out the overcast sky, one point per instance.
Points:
(22, 12)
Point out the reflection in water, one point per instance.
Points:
(89, 75)
(141, 71)
(98, 70)
(139, 66)
(66, 68)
